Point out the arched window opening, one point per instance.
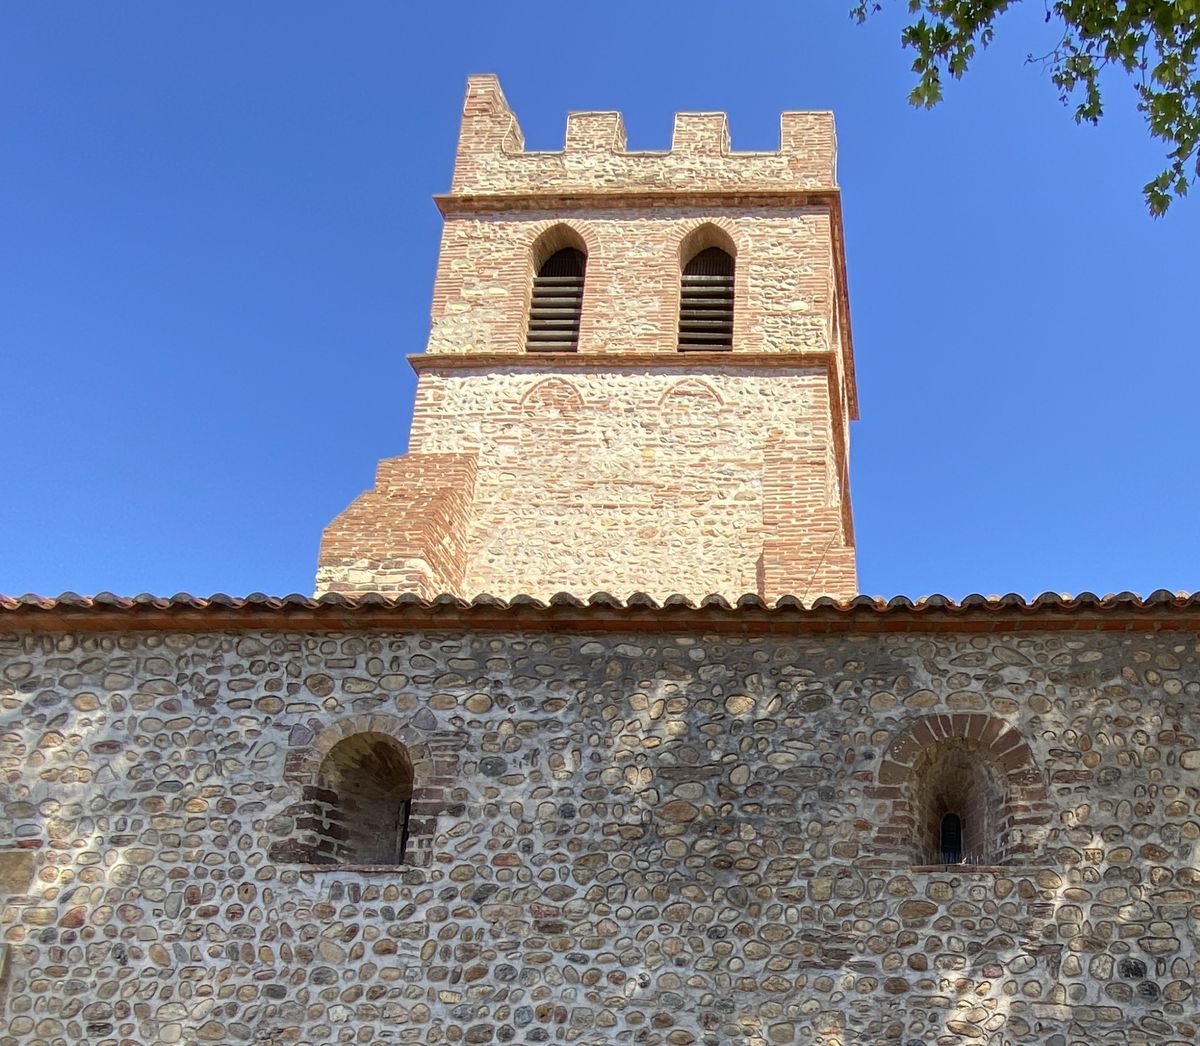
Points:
(952, 851)
(706, 301)
(557, 303)
(364, 797)
(959, 800)
(978, 768)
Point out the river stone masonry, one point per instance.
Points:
(648, 838)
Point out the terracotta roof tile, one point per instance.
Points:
(603, 610)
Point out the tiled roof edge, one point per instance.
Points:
(106, 611)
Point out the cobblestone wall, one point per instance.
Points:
(648, 839)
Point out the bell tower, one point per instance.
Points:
(639, 375)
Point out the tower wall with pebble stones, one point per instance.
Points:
(644, 837)
(626, 465)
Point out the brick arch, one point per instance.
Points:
(691, 392)
(545, 238)
(551, 394)
(307, 759)
(432, 757)
(984, 757)
(696, 235)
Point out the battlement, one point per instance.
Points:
(492, 159)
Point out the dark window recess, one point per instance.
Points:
(706, 301)
(365, 799)
(951, 839)
(556, 303)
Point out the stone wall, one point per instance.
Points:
(628, 838)
(785, 281)
(622, 480)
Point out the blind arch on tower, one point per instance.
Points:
(559, 260)
(706, 290)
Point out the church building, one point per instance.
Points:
(586, 735)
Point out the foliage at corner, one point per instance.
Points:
(1155, 41)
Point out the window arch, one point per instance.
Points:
(706, 296)
(550, 397)
(363, 799)
(959, 788)
(556, 304)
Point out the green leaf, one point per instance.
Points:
(1157, 42)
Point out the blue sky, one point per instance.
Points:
(217, 246)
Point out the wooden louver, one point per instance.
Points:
(706, 302)
(556, 303)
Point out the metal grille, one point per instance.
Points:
(706, 302)
(402, 828)
(557, 303)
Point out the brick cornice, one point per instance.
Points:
(803, 359)
(475, 203)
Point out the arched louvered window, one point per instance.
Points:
(556, 303)
(706, 301)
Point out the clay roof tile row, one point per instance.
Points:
(343, 608)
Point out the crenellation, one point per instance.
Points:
(809, 141)
(700, 134)
(489, 126)
(595, 133)
(492, 160)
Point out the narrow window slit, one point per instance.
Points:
(952, 852)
